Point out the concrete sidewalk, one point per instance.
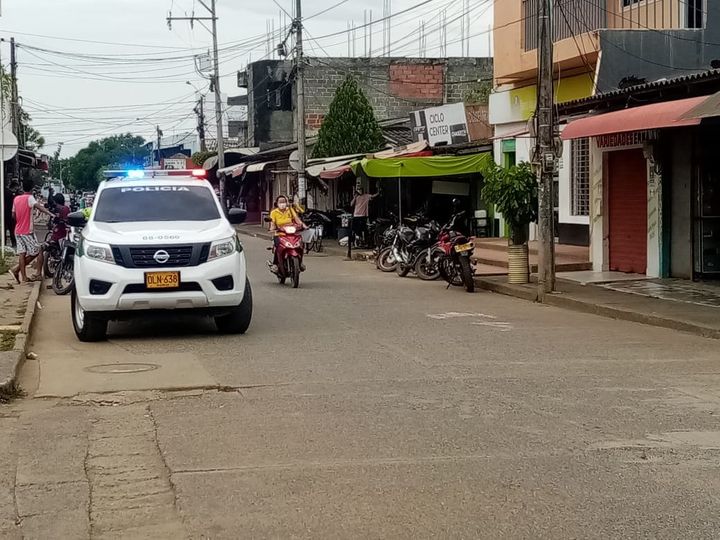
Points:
(694, 318)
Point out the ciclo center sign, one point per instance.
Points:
(440, 125)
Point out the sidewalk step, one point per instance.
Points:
(559, 267)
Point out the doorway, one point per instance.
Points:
(627, 211)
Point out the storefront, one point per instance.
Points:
(655, 190)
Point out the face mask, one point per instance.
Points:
(282, 205)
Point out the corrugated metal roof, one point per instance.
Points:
(704, 76)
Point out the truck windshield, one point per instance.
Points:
(156, 203)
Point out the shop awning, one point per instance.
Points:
(332, 174)
(416, 148)
(233, 170)
(667, 114)
(259, 167)
(710, 108)
(316, 167)
(424, 167)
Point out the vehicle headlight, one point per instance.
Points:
(222, 248)
(290, 230)
(98, 252)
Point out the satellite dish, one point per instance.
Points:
(8, 145)
(294, 160)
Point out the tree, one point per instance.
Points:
(514, 192)
(199, 158)
(116, 152)
(350, 126)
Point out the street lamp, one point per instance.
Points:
(159, 133)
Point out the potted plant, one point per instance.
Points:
(514, 192)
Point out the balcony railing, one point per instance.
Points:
(575, 17)
(570, 18)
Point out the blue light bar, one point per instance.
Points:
(136, 174)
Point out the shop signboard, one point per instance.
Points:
(440, 125)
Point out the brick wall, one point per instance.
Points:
(394, 86)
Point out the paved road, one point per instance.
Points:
(364, 406)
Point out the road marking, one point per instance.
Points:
(502, 326)
(456, 315)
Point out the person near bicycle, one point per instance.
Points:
(281, 216)
(361, 210)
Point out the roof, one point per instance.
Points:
(703, 83)
(665, 114)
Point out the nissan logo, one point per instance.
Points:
(161, 256)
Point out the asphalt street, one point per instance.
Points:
(364, 405)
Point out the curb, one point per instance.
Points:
(612, 312)
(19, 351)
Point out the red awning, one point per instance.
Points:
(667, 114)
(332, 174)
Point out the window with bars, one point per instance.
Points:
(580, 177)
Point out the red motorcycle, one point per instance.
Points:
(450, 256)
(289, 250)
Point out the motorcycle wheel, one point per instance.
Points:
(295, 271)
(449, 272)
(385, 261)
(51, 263)
(63, 280)
(402, 269)
(425, 268)
(467, 275)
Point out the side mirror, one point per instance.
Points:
(76, 219)
(236, 216)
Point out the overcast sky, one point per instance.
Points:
(75, 97)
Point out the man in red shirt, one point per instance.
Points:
(28, 248)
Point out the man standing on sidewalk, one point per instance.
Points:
(28, 247)
(361, 203)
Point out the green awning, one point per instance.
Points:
(423, 167)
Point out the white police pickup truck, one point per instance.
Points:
(158, 241)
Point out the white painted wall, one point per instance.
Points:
(654, 225)
(597, 231)
(565, 188)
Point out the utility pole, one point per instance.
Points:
(200, 112)
(15, 106)
(215, 81)
(300, 91)
(159, 133)
(545, 152)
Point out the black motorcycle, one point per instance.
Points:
(64, 279)
(411, 244)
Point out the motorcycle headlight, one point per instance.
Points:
(222, 248)
(98, 252)
(290, 230)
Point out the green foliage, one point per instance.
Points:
(199, 158)
(118, 151)
(350, 126)
(28, 137)
(514, 192)
(479, 93)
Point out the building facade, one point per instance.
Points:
(600, 46)
(394, 86)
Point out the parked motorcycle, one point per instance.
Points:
(410, 244)
(52, 249)
(385, 260)
(289, 253)
(451, 256)
(64, 280)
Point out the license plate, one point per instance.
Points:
(162, 280)
(464, 247)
